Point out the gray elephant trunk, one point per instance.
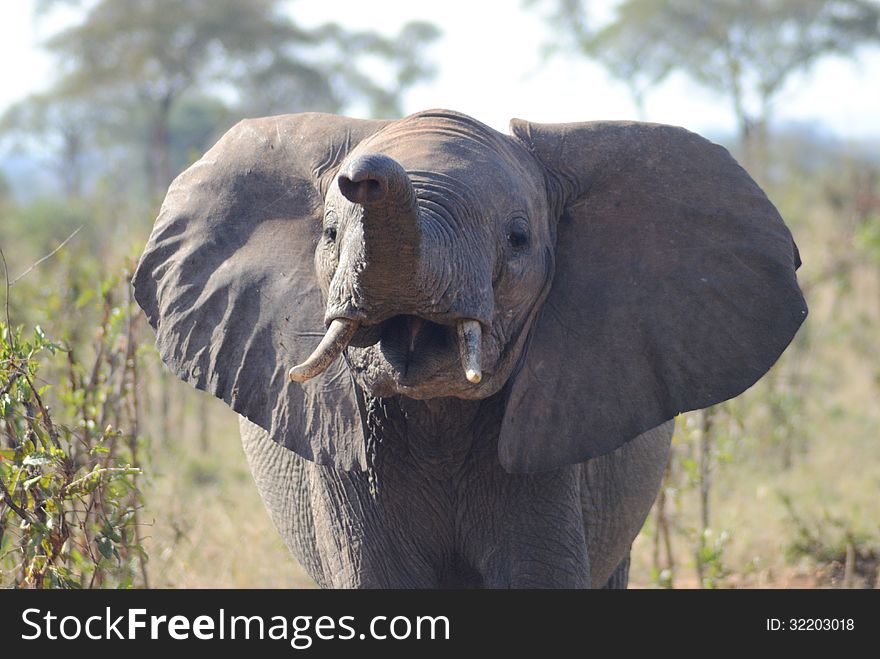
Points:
(392, 236)
(384, 269)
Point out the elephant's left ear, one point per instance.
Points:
(674, 290)
(228, 280)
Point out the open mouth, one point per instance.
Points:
(415, 347)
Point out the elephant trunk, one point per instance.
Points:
(390, 223)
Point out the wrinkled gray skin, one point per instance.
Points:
(618, 274)
(446, 514)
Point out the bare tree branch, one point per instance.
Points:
(48, 256)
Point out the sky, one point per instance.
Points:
(491, 67)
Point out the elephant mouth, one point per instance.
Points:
(414, 346)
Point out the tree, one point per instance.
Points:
(61, 128)
(145, 55)
(193, 125)
(746, 50)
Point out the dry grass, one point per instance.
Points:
(209, 527)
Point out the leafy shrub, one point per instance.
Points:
(70, 452)
(846, 555)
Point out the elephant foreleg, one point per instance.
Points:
(620, 577)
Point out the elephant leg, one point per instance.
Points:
(530, 533)
(367, 539)
(617, 493)
(331, 523)
(282, 480)
(620, 577)
(544, 562)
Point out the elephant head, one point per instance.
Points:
(603, 277)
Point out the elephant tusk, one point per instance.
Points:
(338, 335)
(470, 345)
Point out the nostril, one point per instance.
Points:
(368, 190)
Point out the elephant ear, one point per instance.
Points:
(674, 289)
(228, 280)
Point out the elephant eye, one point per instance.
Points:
(518, 237)
(330, 234)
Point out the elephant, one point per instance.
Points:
(457, 354)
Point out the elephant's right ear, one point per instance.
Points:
(228, 280)
(674, 289)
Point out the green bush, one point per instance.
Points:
(70, 452)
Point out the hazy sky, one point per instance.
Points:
(490, 67)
